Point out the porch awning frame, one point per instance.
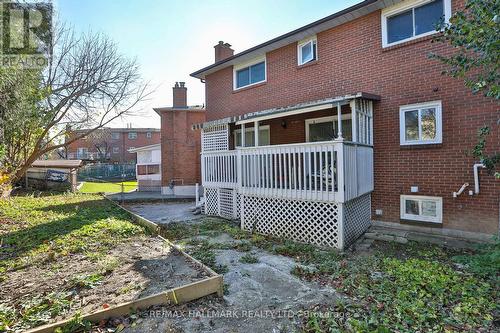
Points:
(287, 110)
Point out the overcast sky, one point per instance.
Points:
(172, 38)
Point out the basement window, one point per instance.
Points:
(413, 19)
(422, 208)
(250, 73)
(307, 51)
(420, 123)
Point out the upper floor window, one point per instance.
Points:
(412, 19)
(132, 135)
(115, 135)
(307, 51)
(149, 135)
(250, 73)
(420, 123)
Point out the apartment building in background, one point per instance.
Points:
(111, 145)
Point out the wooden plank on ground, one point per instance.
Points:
(177, 295)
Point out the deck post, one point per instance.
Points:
(339, 118)
(354, 120)
(256, 133)
(243, 135)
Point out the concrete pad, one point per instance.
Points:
(164, 213)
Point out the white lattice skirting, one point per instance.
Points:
(322, 223)
(305, 221)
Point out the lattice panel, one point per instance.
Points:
(211, 201)
(215, 138)
(226, 202)
(305, 221)
(237, 211)
(357, 218)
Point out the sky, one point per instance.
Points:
(172, 38)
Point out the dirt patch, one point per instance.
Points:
(140, 267)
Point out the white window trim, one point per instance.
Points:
(422, 218)
(149, 135)
(237, 132)
(403, 6)
(326, 119)
(135, 136)
(299, 50)
(248, 64)
(439, 123)
(115, 136)
(116, 150)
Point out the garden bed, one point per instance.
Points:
(283, 286)
(63, 255)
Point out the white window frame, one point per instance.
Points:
(332, 119)
(115, 135)
(404, 6)
(422, 218)
(301, 44)
(245, 65)
(134, 136)
(149, 135)
(237, 133)
(412, 107)
(116, 150)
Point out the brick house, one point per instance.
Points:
(344, 122)
(112, 144)
(180, 144)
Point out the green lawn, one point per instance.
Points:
(93, 187)
(44, 234)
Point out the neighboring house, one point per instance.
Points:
(180, 144)
(148, 168)
(314, 134)
(111, 144)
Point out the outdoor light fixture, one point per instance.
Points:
(283, 123)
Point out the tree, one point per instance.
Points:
(86, 85)
(474, 33)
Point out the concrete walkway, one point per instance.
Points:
(164, 212)
(146, 196)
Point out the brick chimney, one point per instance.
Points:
(223, 51)
(180, 95)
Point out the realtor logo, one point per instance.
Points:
(26, 33)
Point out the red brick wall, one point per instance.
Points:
(180, 147)
(123, 143)
(351, 59)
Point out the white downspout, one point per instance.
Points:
(476, 176)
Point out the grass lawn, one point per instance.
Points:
(47, 240)
(392, 287)
(93, 187)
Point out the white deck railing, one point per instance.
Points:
(325, 171)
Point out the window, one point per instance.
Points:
(412, 19)
(82, 153)
(132, 135)
(420, 123)
(326, 128)
(116, 150)
(307, 51)
(115, 135)
(264, 139)
(149, 135)
(148, 169)
(250, 73)
(422, 208)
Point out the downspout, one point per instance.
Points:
(476, 176)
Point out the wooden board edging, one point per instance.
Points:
(176, 295)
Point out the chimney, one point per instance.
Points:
(180, 95)
(223, 51)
